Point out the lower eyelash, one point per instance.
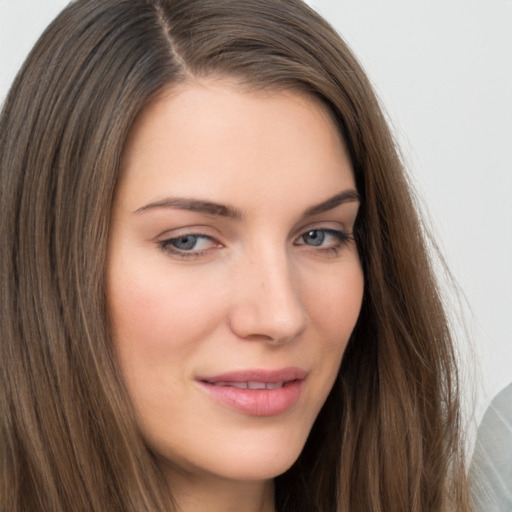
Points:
(186, 255)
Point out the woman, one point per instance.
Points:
(198, 199)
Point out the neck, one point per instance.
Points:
(207, 493)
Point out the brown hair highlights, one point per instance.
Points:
(388, 435)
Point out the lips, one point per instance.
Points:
(256, 392)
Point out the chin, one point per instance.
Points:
(251, 456)
(260, 467)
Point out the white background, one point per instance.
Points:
(443, 70)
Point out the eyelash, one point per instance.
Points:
(168, 246)
(342, 240)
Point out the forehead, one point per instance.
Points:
(218, 98)
(218, 137)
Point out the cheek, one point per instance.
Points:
(156, 316)
(334, 303)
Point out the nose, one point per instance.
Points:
(267, 305)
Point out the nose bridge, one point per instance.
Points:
(268, 303)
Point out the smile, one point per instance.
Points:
(257, 392)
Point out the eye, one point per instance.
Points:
(324, 239)
(314, 237)
(189, 245)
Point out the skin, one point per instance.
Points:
(254, 291)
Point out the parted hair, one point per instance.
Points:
(388, 437)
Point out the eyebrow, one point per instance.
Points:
(222, 210)
(347, 196)
(195, 205)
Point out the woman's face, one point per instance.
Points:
(233, 280)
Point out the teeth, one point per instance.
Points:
(251, 385)
(275, 385)
(256, 385)
(241, 385)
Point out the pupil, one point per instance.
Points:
(314, 237)
(185, 243)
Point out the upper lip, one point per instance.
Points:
(258, 375)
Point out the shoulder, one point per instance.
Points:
(491, 466)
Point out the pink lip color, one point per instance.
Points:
(257, 402)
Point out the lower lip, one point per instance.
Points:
(257, 402)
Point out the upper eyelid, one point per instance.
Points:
(218, 236)
(199, 235)
(204, 231)
(321, 226)
(337, 233)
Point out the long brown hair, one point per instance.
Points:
(388, 437)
